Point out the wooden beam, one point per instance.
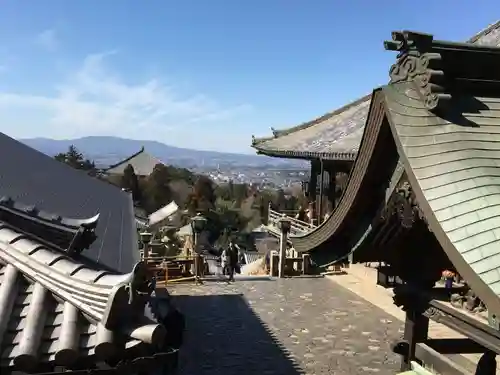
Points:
(439, 363)
(455, 346)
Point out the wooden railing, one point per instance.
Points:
(298, 227)
(170, 268)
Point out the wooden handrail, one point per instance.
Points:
(297, 226)
(169, 258)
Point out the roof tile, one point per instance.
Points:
(337, 134)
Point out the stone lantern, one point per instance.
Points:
(146, 238)
(198, 225)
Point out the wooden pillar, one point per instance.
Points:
(273, 263)
(306, 262)
(313, 187)
(284, 226)
(332, 186)
(411, 297)
(321, 190)
(313, 182)
(416, 330)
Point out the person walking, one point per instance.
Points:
(232, 260)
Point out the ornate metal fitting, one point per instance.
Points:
(417, 62)
(403, 204)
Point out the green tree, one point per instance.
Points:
(75, 159)
(157, 192)
(130, 182)
(203, 197)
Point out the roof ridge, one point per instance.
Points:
(308, 124)
(125, 160)
(487, 30)
(322, 118)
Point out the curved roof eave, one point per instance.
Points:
(323, 232)
(308, 155)
(462, 240)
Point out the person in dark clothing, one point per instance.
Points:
(232, 260)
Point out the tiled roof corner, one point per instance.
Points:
(67, 235)
(55, 309)
(483, 36)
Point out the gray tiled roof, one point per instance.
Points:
(142, 162)
(54, 309)
(337, 134)
(32, 178)
(457, 170)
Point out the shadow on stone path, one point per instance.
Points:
(285, 327)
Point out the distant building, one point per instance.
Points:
(142, 162)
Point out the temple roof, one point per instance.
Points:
(142, 162)
(42, 183)
(56, 310)
(440, 116)
(337, 134)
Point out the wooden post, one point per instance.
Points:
(273, 263)
(197, 277)
(332, 187)
(416, 330)
(313, 186)
(306, 262)
(416, 327)
(284, 225)
(282, 255)
(321, 190)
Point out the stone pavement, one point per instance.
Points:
(362, 281)
(284, 327)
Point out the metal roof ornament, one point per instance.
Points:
(432, 66)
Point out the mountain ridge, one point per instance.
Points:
(107, 150)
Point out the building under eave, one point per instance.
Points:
(423, 195)
(73, 292)
(437, 151)
(331, 142)
(142, 162)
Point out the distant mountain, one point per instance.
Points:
(108, 150)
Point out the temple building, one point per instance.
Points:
(331, 143)
(424, 191)
(74, 295)
(142, 162)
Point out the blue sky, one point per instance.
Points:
(199, 73)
